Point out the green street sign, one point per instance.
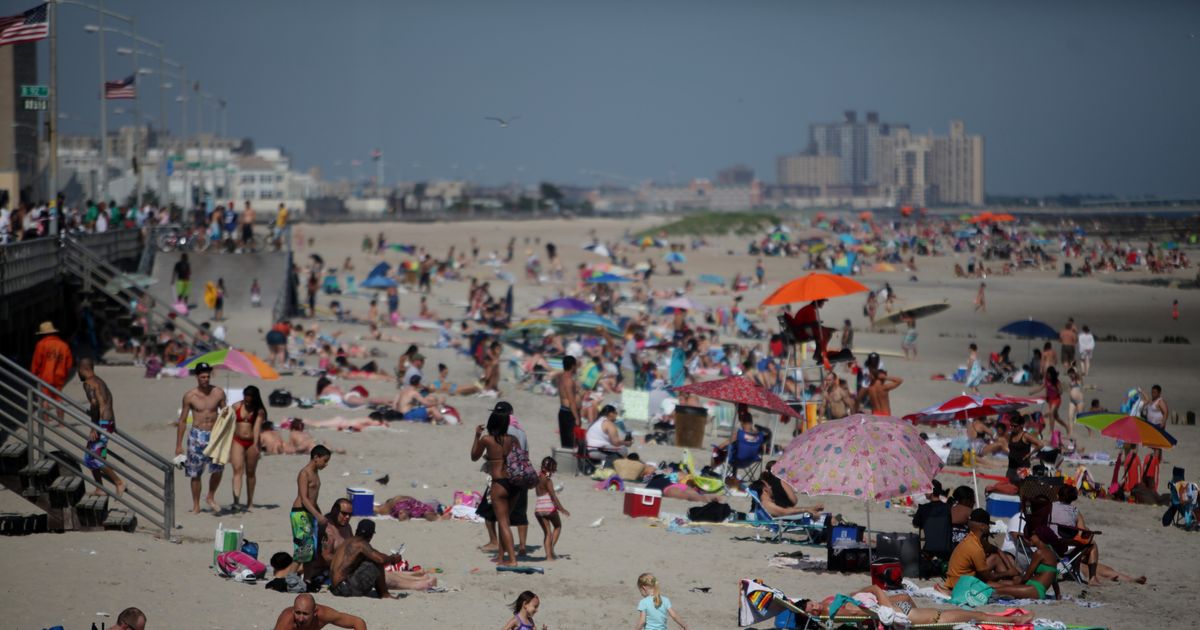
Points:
(35, 91)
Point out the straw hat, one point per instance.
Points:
(46, 328)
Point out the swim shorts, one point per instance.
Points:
(418, 414)
(304, 535)
(360, 583)
(197, 441)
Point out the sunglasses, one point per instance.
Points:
(340, 513)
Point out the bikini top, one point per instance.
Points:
(522, 625)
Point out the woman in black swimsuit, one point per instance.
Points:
(1020, 448)
(496, 444)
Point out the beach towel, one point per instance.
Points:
(221, 442)
(970, 592)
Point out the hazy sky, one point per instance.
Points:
(1085, 96)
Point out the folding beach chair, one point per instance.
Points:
(1182, 511)
(587, 460)
(780, 525)
(743, 457)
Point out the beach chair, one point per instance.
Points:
(779, 526)
(1182, 511)
(743, 457)
(587, 460)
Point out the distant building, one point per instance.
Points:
(854, 144)
(701, 194)
(933, 170)
(739, 175)
(816, 171)
(20, 163)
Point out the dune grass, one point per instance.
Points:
(739, 223)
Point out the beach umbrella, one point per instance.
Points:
(607, 278)
(870, 458)
(740, 390)
(235, 361)
(1134, 430)
(565, 304)
(968, 406)
(599, 249)
(585, 323)
(381, 269)
(884, 267)
(712, 278)
(1098, 420)
(684, 304)
(814, 286)
(675, 257)
(1030, 329)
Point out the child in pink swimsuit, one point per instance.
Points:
(547, 507)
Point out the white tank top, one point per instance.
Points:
(1154, 415)
(596, 438)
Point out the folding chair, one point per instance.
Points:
(588, 459)
(780, 525)
(743, 457)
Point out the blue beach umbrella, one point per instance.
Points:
(607, 278)
(675, 257)
(565, 304)
(378, 282)
(1030, 329)
(585, 323)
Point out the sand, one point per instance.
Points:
(68, 579)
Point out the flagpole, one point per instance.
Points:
(137, 117)
(103, 190)
(52, 123)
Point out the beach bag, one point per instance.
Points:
(467, 497)
(712, 512)
(280, 398)
(451, 415)
(250, 549)
(520, 472)
(231, 563)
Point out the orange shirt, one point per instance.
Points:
(52, 361)
(968, 559)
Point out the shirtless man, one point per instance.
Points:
(357, 568)
(203, 401)
(568, 402)
(305, 515)
(248, 227)
(491, 369)
(331, 536)
(879, 392)
(1068, 337)
(414, 406)
(306, 614)
(101, 412)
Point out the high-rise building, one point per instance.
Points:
(19, 159)
(933, 170)
(819, 171)
(854, 143)
(738, 175)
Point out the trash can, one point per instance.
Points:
(690, 425)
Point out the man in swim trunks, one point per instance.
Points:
(568, 402)
(101, 411)
(414, 406)
(306, 614)
(1068, 337)
(203, 402)
(306, 515)
(357, 567)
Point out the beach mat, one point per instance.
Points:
(525, 570)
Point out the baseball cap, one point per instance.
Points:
(503, 407)
(980, 515)
(366, 527)
(201, 368)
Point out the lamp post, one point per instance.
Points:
(138, 71)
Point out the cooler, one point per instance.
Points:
(690, 424)
(565, 458)
(362, 501)
(640, 502)
(1003, 505)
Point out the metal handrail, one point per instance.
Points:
(36, 399)
(156, 314)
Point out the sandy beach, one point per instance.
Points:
(69, 579)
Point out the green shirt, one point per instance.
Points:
(92, 213)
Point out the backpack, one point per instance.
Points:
(231, 563)
(520, 472)
(710, 513)
(280, 398)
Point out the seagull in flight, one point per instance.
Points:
(503, 122)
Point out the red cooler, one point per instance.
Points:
(640, 502)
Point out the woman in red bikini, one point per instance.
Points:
(249, 415)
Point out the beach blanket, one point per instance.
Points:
(221, 442)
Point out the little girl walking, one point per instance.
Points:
(654, 607)
(524, 608)
(548, 506)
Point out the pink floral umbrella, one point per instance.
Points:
(872, 458)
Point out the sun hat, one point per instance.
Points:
(46, 328)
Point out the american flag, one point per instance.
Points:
(29, 26)
(123, 89)
(376, 155)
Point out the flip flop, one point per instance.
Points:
(525, 570)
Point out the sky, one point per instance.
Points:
(1071, 97)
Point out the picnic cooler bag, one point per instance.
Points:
(640, 502)
(226, 540)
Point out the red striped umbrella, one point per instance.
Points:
(970, 406)
(738, 389)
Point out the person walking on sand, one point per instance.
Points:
(203, 402)
(306, 516)
(255, 294)
(306, 614)
(1175, 310)
(497, 444)
(523, 609)
(1068, 338)
(181, 275)
(975, 371)
(100, 409)
(981, 298)
(654, 608)
(249, 415)
(548, 507)
(1086, 346)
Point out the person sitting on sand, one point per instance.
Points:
(414, 406)
(301, 441)
(271, 443)
(777, 497)
(403, 508)
(306, 614)
(356, 569)
(971, 558)
(442, 384)
(872, 597)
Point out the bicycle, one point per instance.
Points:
(179, 239)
